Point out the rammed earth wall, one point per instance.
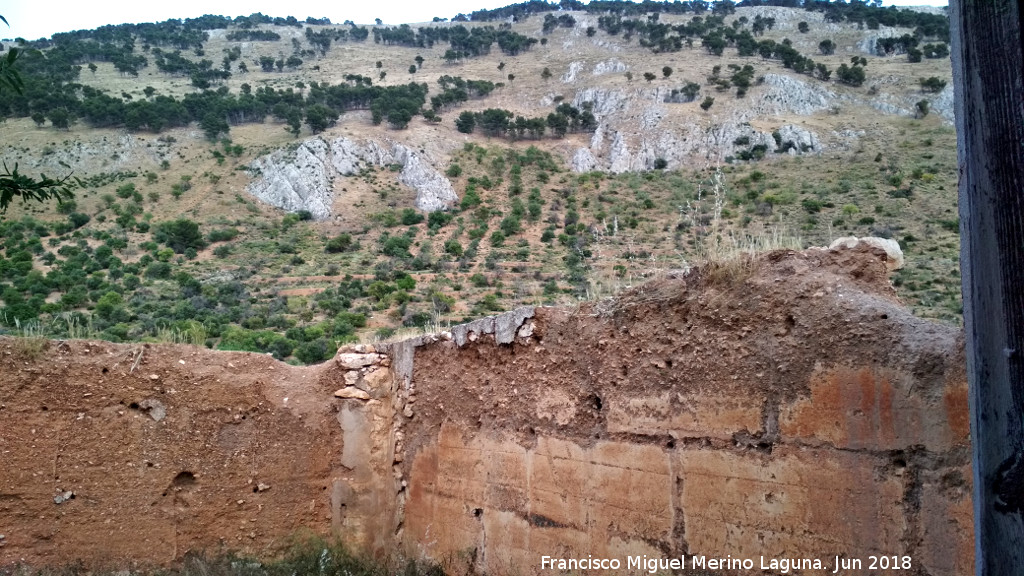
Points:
(790, 408)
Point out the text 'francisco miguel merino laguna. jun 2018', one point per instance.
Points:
(653, 565)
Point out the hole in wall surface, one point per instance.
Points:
(184, 478)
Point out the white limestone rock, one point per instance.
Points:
(303, 179)
(894, 254)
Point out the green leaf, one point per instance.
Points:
(13, 184)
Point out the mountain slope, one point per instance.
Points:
(410, 221)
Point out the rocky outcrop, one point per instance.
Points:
(606, 102)
(942, 104)
(574, 69)
(869, 43)
(803, 140)
(785, 94)
(302, 179)
(636, 129)
(583, 160)
(296, 181)
(87, 153)
(609, 67)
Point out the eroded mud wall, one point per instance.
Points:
(790, 410)
(137, 454)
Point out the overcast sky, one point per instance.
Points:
(33, 19)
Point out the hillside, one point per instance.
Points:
(282, 187)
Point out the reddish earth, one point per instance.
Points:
(792, 407)
(80, 417)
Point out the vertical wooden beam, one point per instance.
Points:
(988, 76)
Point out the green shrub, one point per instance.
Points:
(406, 282)
(396, 246)
(158, 270)
(340, 243)
(932, 84)
(438, 219)
(180, 235)
(411, 217)
(314, 352)
(471, 199)
(126, 191)
(242, 339)
(811, 205)
(222, 235)
(453, 247)
(510, 226)
(77, 220)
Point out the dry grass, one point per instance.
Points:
(31, 343)
(306, 555)
(195, 334)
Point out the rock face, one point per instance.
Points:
(633, 133)
(303, 179)
(942, 104)
(802, 138)
(574, 69)
(583, 160)
(869, 43)
(640, 125)
(609, 67)
(785, 94)
(296, 181)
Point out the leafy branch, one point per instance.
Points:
(9, 76)
(14, 184)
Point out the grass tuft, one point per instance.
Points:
(307, 556)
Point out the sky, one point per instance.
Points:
(33, 19)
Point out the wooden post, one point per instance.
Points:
(988, 76)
